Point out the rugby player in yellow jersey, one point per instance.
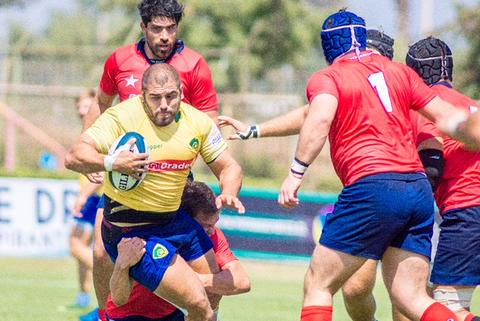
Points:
(176, 133)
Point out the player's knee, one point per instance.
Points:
(200, 305)
(357, 289)
(453, 298)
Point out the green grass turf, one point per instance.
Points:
(43, 289)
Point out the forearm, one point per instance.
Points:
(226, 283)
(121, 285)
(85, 159)
(230, 179)
(284, 125)
(311, 141)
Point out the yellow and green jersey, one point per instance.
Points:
(173, 148)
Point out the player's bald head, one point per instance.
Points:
(160, 74)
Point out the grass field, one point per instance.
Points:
(43, 289)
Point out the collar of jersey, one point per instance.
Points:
(443, 83)
(351, 55)
(179, 46)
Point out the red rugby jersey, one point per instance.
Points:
(142, 302)
(371, 132)
(124, 69)
(423, 128)
(459, 186)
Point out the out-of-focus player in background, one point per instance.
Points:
(362, 104)
(357, 291)
(122, 77)
(176, 245)
(84, 210)
(456, 268)
(199, 201)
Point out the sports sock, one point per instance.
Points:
(472, 317)
(438, 312)
(317, 313)
(101, 315)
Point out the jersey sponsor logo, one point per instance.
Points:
(156, 146)
(170, 165)
(215, 138)
(194, 143)
(159, 251)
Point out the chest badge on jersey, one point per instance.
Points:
(194, 143)
(131, 81)
(159, 252)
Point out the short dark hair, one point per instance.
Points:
(149, 9)
(160, 74)
(198, 197)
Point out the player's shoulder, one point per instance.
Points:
(193, 112)
(125, 53)
(187, 59)
(195, 118)
(454, 95)
(126, 109)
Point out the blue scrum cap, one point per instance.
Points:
(342, 32)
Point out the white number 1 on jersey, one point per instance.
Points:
(377, 81)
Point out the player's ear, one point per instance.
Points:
(143, 26)
(181, 92)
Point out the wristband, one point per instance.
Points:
(108, 162)
(252, 132)
(298, 168)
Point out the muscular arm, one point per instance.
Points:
(101, 103)
(285, 125)
(83, 157)
(228, 172)
(316, 127)
(312, 138)
(130, 252)
(233, 279)
(470, 133)
(447, 117)
(230, 176)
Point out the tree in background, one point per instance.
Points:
(242, 39)
(466, 74)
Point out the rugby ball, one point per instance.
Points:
(120, 181)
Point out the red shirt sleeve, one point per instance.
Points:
(203, 95)
(107, 82)
(321, 83)
(424, 128)
(223, 254)
(421, 94)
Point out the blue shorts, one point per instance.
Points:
(457, 261)
(382, 210)
(89, 210)
(182, 235)
(177, 315)
(101, 202)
